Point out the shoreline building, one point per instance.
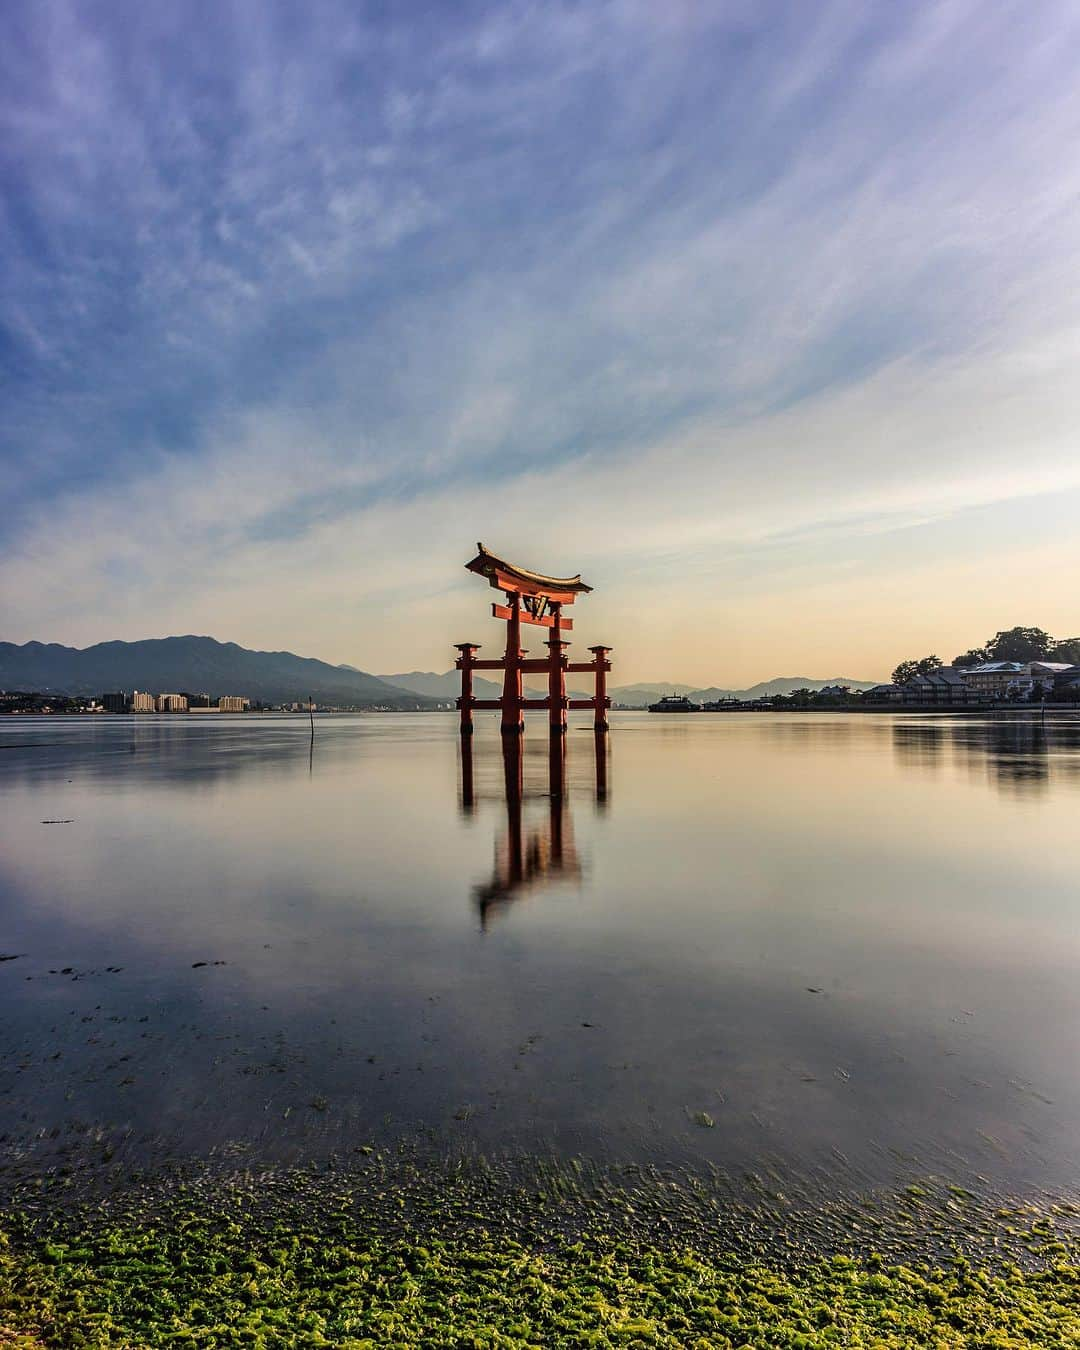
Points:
(884, 693)
(140, 701)
(941, 688)
(1068, 682)
(1047, 673)
(944, 687)
(992, 679)
(1013, 679)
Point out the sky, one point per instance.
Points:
(763, 316)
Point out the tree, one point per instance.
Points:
(975, 657)
(1067, 649)
(1019, 644)
(907, 670)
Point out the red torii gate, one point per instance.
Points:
(532, 598)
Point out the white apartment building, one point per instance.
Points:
(995, 679)
(992, 679)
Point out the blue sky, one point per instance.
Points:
(764, 316)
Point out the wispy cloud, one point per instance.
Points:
(294, 305)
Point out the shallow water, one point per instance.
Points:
(851, 943)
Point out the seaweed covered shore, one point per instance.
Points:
(394, 1249)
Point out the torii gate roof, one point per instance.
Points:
(507, 576)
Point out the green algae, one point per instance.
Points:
(399, 1252)
(201, 1283)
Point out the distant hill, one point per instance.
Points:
(640, 695)
(204, 665)
(194, 665)
(447, 687)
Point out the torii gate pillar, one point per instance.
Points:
(513, 695)
(557, 701)
(601, 667)
(464, 663)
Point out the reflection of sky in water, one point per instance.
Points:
(850, 940)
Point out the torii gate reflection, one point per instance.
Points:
(530, 855)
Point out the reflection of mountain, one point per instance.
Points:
(532, 852)
(1018, 752)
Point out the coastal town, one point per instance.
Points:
(137, 701)
(1017, 667)
(990, 684)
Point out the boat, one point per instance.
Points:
(674, 703)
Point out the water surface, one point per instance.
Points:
(851, 943)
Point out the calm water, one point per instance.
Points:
(851, 941)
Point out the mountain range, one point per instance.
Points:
(784, 684)
(447, 686)
(203, 665)
(194, 665)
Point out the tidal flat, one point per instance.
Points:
(404, 1249)
(754, 1031)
